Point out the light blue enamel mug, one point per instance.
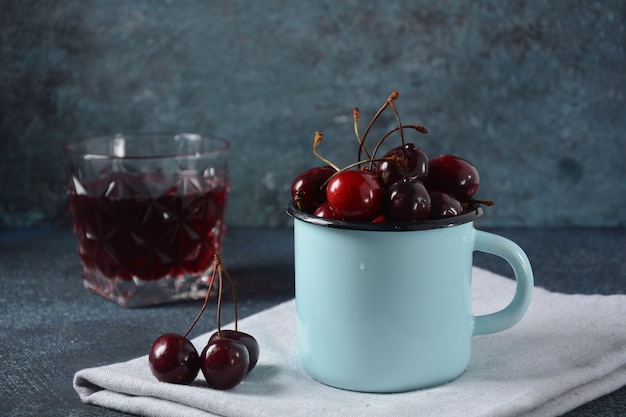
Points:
(385, 307)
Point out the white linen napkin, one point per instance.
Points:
(567, 350)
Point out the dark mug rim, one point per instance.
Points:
(467, 217)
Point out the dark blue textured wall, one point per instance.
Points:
(532, 92)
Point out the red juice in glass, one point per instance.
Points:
(129, 233)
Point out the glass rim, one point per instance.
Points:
(72, 146)
(469, 216)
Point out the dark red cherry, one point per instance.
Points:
(454, 175)
(412, 163)
(444, 205)
(407, 200)
(174, 359)
(308, 189)
(354, 195)
(249, 342)
(224, 363)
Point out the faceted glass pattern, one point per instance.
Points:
(147, 226)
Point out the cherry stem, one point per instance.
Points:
(393, 96)
(319, 137)
(356, 115)
(395, 112)
(419, 128)
(219, 305)
(392, 158)
(216, 263)
(297, 199)
(370, 161)
(234, 294)
(488, 203)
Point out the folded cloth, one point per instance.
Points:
(567, 350)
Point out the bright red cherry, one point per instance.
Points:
(174, 359)
(354, 195)
(453, 175)
(326, 212)
(224, 363)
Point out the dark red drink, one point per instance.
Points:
(149, 227)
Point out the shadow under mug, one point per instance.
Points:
(386, 307)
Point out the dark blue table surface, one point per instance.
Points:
(51, 326)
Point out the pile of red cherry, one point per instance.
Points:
(226, 359)
(402, 185)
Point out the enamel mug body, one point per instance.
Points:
(387, 308)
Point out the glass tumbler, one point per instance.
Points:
(148, 213)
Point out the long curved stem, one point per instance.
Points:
(395, 112)
(395, 159)
(419, 128)
(232, 290)
(393, 96)
(356, 115)
(319, 137)
(219, 304)
(371, 161)
(216, 264)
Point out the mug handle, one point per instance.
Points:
(515, 256)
